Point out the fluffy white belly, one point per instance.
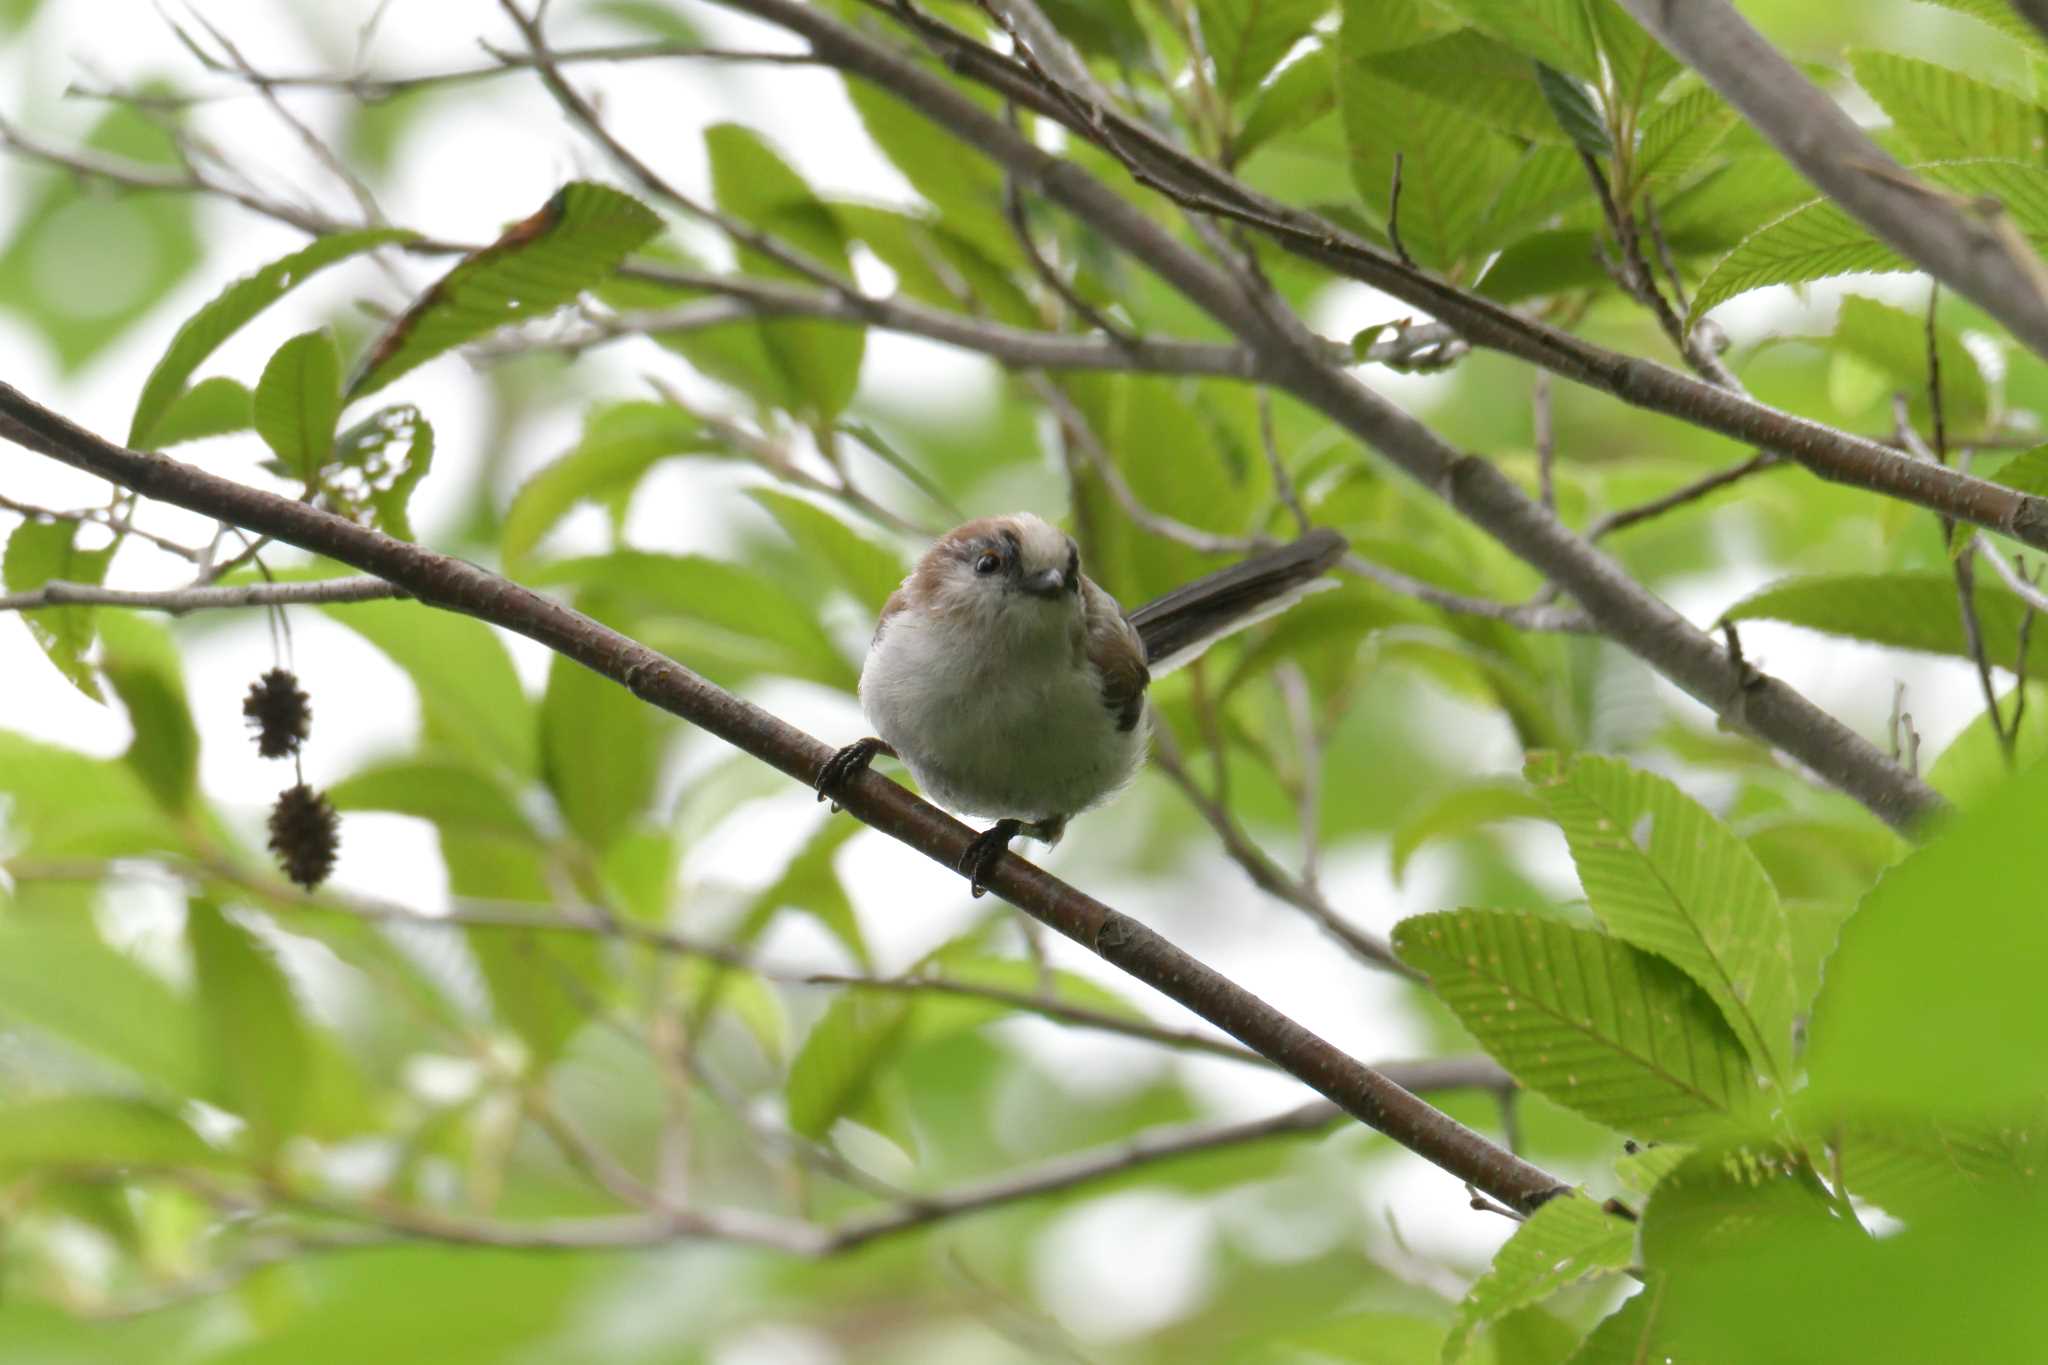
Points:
(1001, 736)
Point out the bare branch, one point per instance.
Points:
(178, 601)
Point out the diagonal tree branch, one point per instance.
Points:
(1965, 250)
(456, 585)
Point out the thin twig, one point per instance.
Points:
(178, 601)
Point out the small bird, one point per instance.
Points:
(1013, 687)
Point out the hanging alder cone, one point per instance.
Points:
(280, 713)
(305, 834)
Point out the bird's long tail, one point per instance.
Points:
(1177, 627)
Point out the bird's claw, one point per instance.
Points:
(840, 769)
(981, 854)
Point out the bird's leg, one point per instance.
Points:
(994, 841)
(841, 767)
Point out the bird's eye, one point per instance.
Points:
(988, 563)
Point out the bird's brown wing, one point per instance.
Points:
(1118, 655)
(1179, 625)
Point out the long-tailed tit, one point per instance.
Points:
(1013, 687)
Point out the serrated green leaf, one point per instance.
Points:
(1947, 115)
(1630, 1334)
(620, 443)
(228, 312)
(821, 360)
(1723, 1197)
(212, 407)
(1474, 75)
(1974, 764)
(600, 751)
(1557, 32)
(865, 569)
(142, 663)
(470, 695)
(1553, 262)
(93, 1131)
(1569, 1239)
(1573, 105)
(1912, 1167)
(1451, 164)
(60, 980)
(1677, 137)
(1663, 874)
(40, 552)
(298, 402)
(1460, 811)
(1641, 1170)
(2026, 471)
(1304, 91)
(1246, 39)
(1910, 609)
(1549, 179)
(1999, 14)
(537, 265)
(1616, 1034)
(449, 794)
(1819, 239)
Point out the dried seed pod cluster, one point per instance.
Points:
(305, 831)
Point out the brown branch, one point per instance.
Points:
(1679, 497)
(1960, 246)
(453, 584)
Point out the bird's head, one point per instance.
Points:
(1018, 575)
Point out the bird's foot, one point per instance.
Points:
(982, 853)
(840, 769)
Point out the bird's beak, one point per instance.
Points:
(1048, 583)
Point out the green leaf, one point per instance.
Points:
(1663, 874)
(298, 403)
(65, 805)
(451, 795)
(470, 695)
(93, 1131)
(865, 569)
(252, 1025)
(213, 407)
(1974, 765)
(1894, 341)
(1999, 14)
(1246, 39)
(40, 552)
(1556, 32)
(1946, 947)
(378, 463)
(810, 884)
(60, 980)
(536, 266)
(1677, 137)
(1451, 164)
(1819, 239)
(1913, 1168)
(1629, 1335)
(1947, 115)
(1909, 609)
(1614, 1033)
(967, 191)
(821, 360)
(142, 663)
(729, 615)
(1638, 65)
(836, 1067)
(1470, 73)
(1461, 811)
(1576, 111)
(620, 443)
(2026, 471)
(1569, 1239)
(228, 312)
(600, 751)
(1304, 91)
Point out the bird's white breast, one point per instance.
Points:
(1015, 730)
